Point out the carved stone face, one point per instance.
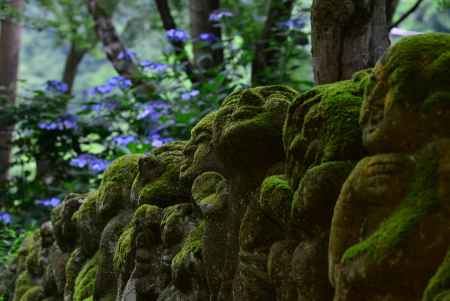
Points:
(247, 129)
(199, 155)
(406, 101)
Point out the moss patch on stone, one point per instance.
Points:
(275, 198)
(125, 244)
(35, 293)
(421, 200)
(23, 283)
(192, 246)
(85, 281)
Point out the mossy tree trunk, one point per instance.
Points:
(267, 55)
(10, 40)
(347, 36)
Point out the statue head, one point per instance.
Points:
(407, 102)
(199, 154)
(248, 126)
(322, 126)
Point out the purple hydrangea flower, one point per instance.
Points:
(52, 202)
(218, 15)
(294, 23)
(207, 37)
(90, 161)
(154, 110)
(190, 94)
(62, 123)
(126, 55)
(124, 140)
(56, 86)
(153, 66)
(103, 89)
(119, 81)
(158, 141)
(177, 35)
(5, 217)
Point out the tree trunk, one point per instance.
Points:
(73, 60)
(391, 7)
(347, 36)
(169, 23)
(113, 46)
(10, 39)
(267, 51)
(205, 56)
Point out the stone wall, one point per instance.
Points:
(340, 193)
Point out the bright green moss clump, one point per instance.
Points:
(144, 214)
(192, 246)
(85, 282)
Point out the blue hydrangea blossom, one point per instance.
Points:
(5, 217)
(177, 35)
(51, 202)
(90, 161)
(56, 86)
(218, 15)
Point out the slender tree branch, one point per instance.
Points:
(406, 15)
(168, 23)
(114, 49)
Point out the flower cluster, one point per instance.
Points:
(5, 217)
(207, 37)
(90, 161)
(218, 15)
(126, 55)
(120, 82)
(124, 140)
(51, 202)
(177, 35)
(157, 141)
(190, 94)
(294, 23)
(153, 110)
(62, 123)
(153, 66)
(56, 86)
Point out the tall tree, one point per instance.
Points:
(347, 36)
(10, 40)
(267, 52)
(205, 55)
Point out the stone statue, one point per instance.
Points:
(322, 141)
(390, 231)
(247, 135)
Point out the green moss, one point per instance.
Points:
(23, 283)
(275, 198)
(33, 294)
(439, 285)
(124, 248)
(192, 246)
(73, 267)
(85, 281)
(125, 245)
(88, 208)
(123, 169)
(164, 191)
(421, 200)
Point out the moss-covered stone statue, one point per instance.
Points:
(390, 233)
(247, 135)
(322, 141)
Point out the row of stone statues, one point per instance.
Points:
(340, 193)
